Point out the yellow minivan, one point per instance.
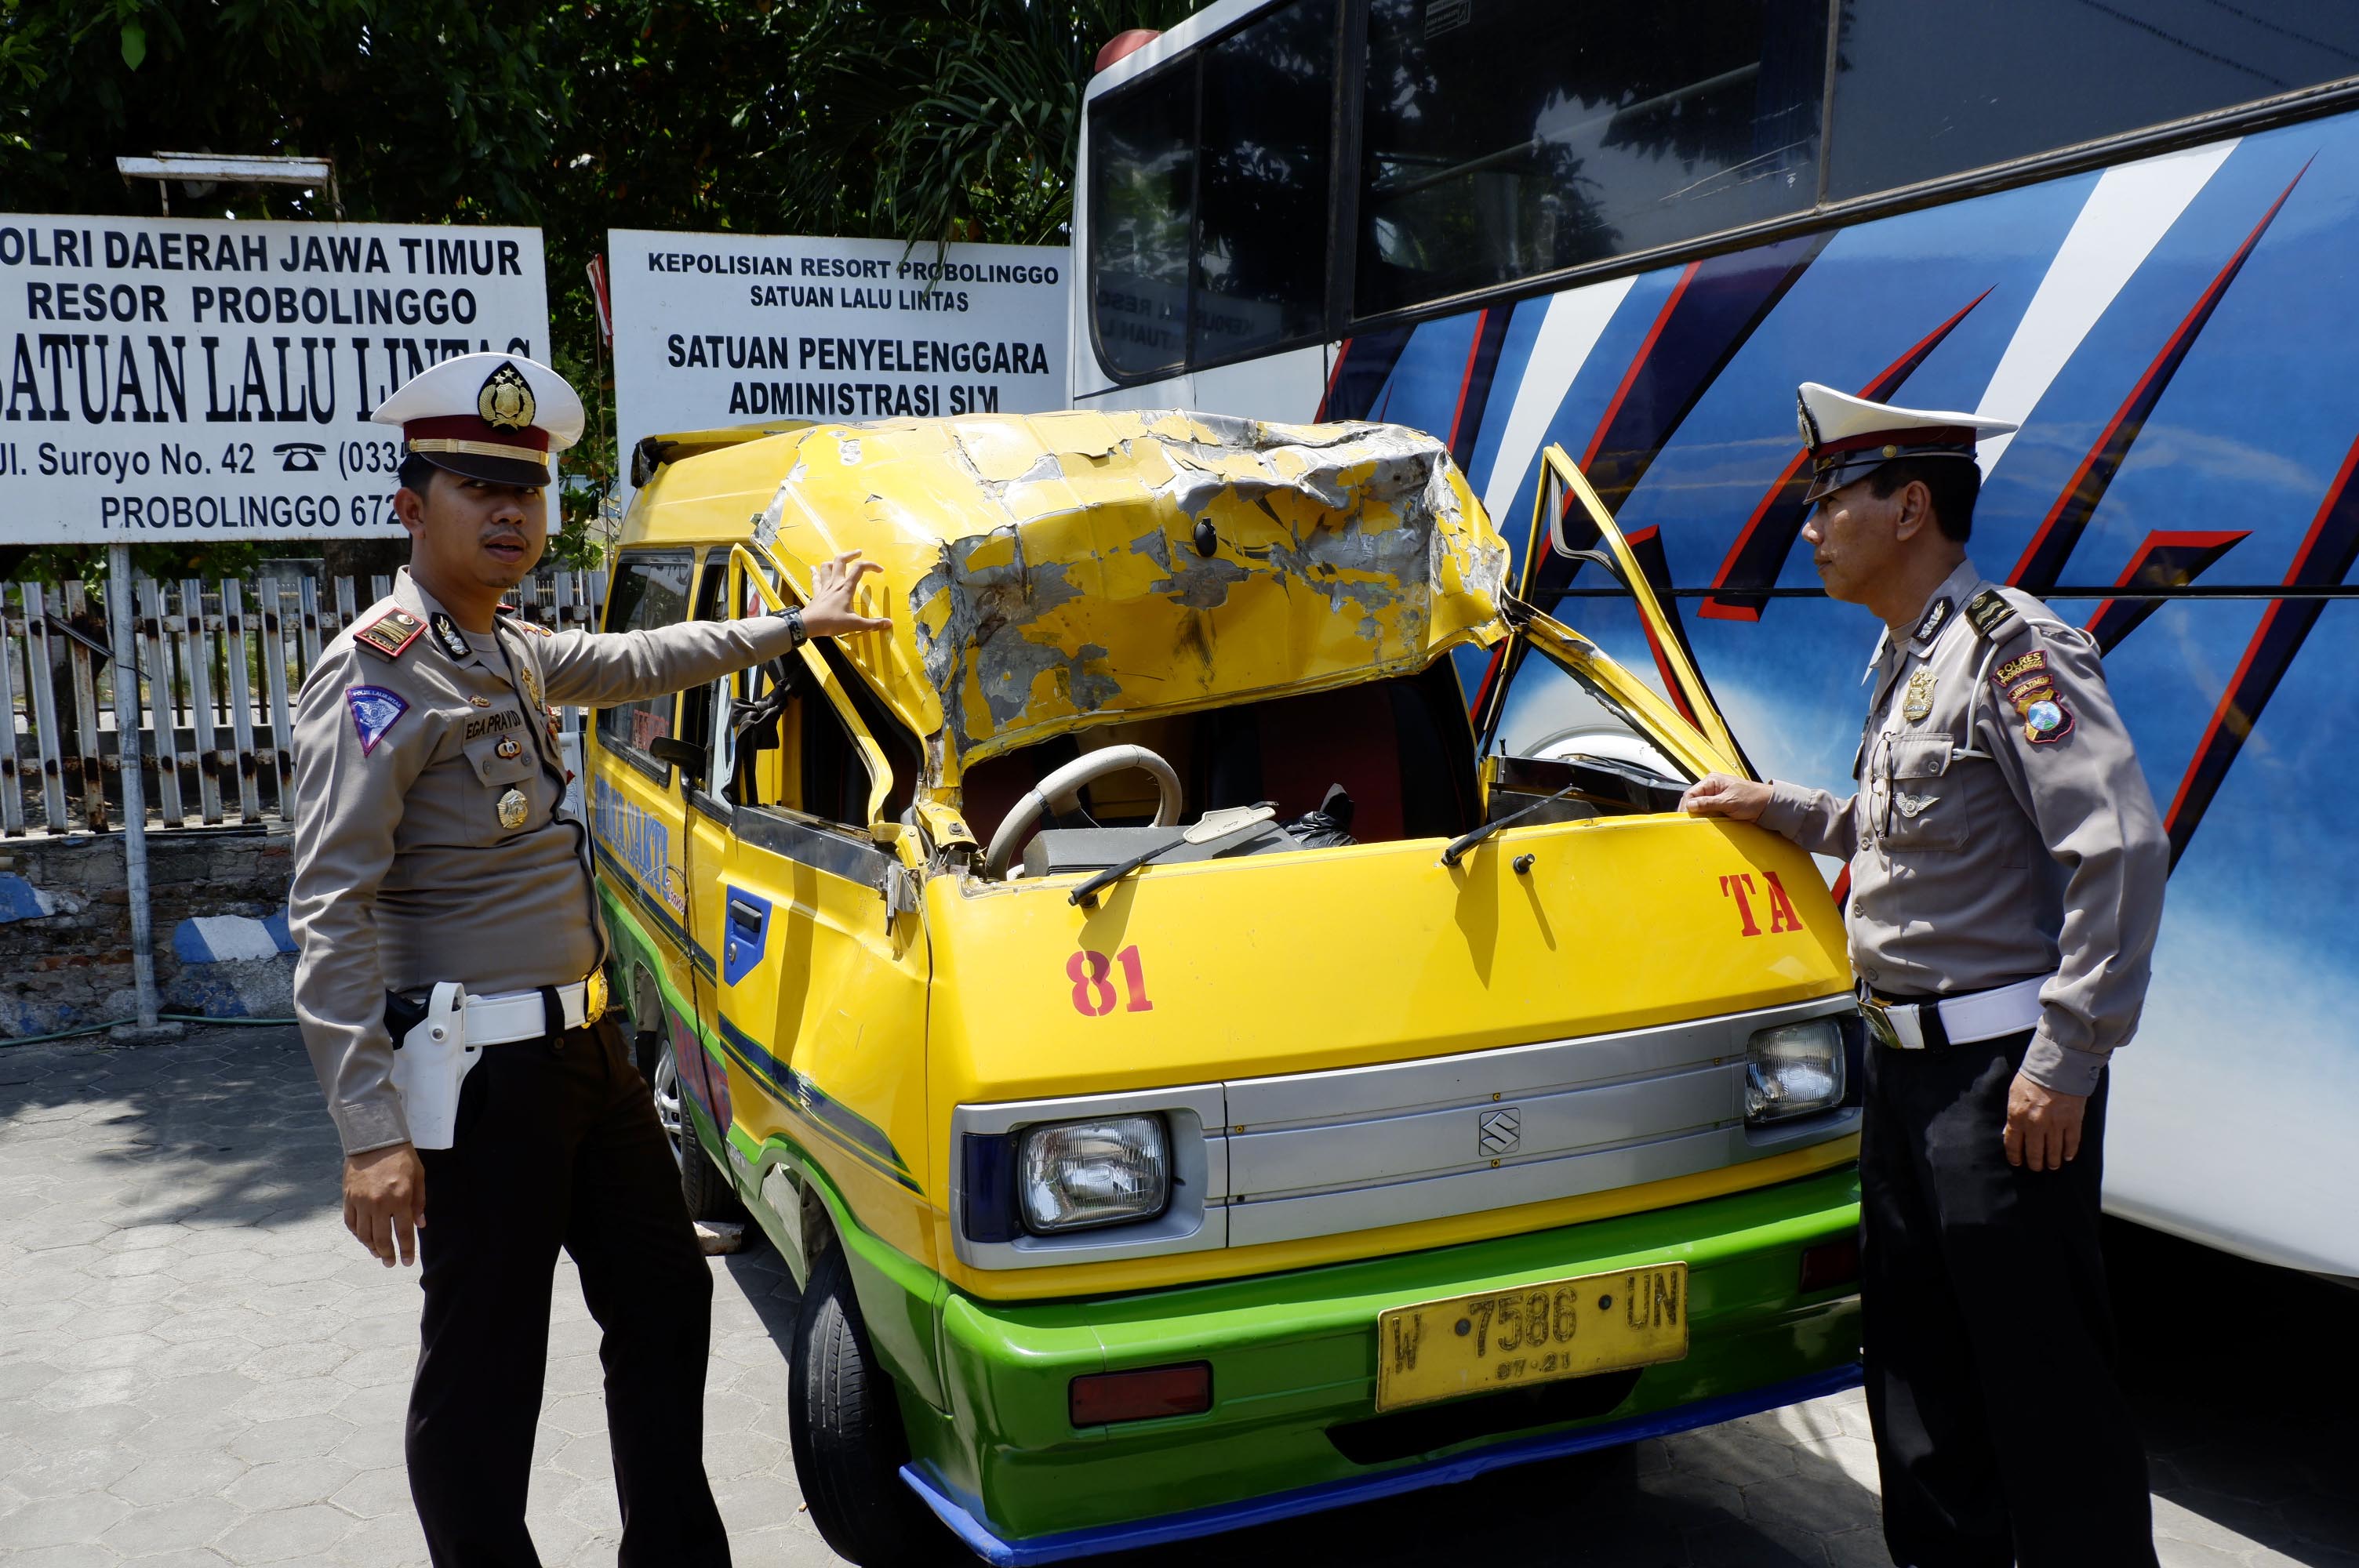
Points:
(1196, 1071)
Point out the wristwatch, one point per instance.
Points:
(794, 619)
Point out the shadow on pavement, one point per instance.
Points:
(2246, 1389)
(224, 1128)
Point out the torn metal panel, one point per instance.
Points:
(1051, 571)
(1192, 560)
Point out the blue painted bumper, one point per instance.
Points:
(1343, 1494)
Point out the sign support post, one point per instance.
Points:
(135, 794)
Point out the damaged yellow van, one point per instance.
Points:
(1198, 1073)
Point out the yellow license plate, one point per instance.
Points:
(1534, 1334)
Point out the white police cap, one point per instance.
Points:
(494, 417)
(1849, 437)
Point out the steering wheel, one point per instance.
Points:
(1063, 789)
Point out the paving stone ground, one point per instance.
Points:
(198, 1368)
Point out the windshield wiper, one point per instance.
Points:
(1210, 828)
(1455, 851)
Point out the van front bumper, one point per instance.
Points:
(1293, 1426)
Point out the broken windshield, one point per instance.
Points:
(1555, 713)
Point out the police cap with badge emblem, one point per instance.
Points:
(1850, 438)
(488, 417)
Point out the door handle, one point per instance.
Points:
(744, 920)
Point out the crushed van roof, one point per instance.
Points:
(1048, 571)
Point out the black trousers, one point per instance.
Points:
(2000, 1432)
(558, 1146)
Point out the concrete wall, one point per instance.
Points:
(218, 898)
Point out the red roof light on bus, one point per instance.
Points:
(1122, 45)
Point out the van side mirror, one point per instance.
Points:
(688, 759)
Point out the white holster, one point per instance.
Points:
(433, 1060)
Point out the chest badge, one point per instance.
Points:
(1912, 805)
(1919, 700)
(511, 809)
(481, 701)
(508, 750)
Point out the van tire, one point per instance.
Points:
(703, 1184)
(845, 1425)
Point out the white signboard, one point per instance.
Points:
(176, 379)
(719, 330)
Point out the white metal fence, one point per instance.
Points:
(220, 663)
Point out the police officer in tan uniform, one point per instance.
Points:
(2007, 873)
(435, 875)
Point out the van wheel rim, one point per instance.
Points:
(668, 1112)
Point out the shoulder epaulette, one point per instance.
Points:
(515, 618)
(389, 635)
(1995, 620)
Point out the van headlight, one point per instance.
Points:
(1076, 1174)
(1793, 1070)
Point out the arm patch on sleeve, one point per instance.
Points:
(374, 709)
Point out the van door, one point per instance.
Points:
(637, 813)
(1691, 727)
(816, 988)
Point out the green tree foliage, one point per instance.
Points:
(923, 119)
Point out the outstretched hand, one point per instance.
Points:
(1721, 795)
(834, 585)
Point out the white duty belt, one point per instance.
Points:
(521, 1015)
(1952, 1021)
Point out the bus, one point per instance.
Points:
(2129, 226)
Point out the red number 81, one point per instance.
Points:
(1093, 993)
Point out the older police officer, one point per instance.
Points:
(433, 872)
(2008, 870)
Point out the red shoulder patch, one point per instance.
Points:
(389, 635)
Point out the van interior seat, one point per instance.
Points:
(1293, 750)
(1398, 747)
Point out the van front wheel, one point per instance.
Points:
(846, 1429)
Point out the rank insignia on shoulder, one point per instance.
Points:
(389, 635)
(374, 712)
(516, 619)
(1994, 619)
(1937, 615)
(446, 631)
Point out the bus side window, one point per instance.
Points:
(1505, 140)
(1918, 96)
(1261, 253)
(1142, 178)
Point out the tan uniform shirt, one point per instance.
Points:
(2003, 829)
(405, 872)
